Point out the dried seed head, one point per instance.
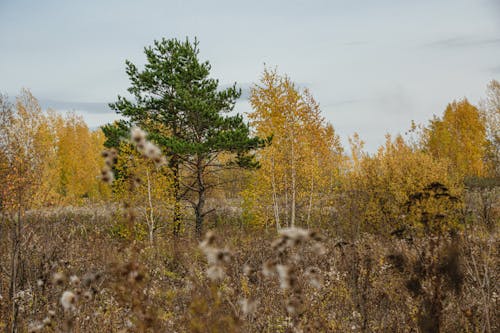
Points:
(284, 276)
(74, 280)
(247, 270)
(315, 236)
(135, 276)
(319, 249)
(151, 151)
(295, 233)
(35, 327)
(212, 255)
(88, 279)
(312, 271)
(137, 135)
(110, 156)
(113, 153)
(47, 321)
(58, 278)
(279, 244)
(313, 275)
(68, 300)
(224, 255)
(248, 307)
(160, 161)
(107, 175)
(269, 268)
(291, 237)
(52, 314)
(215, 256)
(215, 273)
(293, 305)
(208, 241)
(87, 295)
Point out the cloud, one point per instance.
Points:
(462, 41)
(344, 102)
(246, 88)
(88, 107)
(355, 43)
(494, 70)
(495, 6)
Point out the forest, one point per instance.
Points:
(187, 216)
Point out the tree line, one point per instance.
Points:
(286, 167)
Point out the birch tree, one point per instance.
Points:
(299, 167)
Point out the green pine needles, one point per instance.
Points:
(185, 112)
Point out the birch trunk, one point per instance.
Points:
(310, 201)
(275, 196)
(294, 190)
(150, 214)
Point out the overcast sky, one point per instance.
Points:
(372, 65)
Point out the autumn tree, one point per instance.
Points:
(152, 190)
(78, 152)
(459, 136)
(45, 159)
(56, 156)
(377, 186)
(6, 118)
(300, 167)
(490, 112)
(186, 113)
(22, 147)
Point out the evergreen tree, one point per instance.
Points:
(186, 113)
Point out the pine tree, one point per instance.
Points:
(186, 113)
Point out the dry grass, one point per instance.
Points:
(242, 280)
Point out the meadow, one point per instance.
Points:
(184, 216)
(246, 280)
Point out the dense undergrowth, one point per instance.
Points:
(77, 274)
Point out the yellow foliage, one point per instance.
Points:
(460, 137)
(152, 181)
(27, 146)
(490, 114)
(51, 159)
(303, 162)
(380, 185)
(79, 159)
(140, 183)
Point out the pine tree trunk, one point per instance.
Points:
(198, 209)
(174, 166)
(199, 213)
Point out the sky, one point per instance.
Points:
(373, 65)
